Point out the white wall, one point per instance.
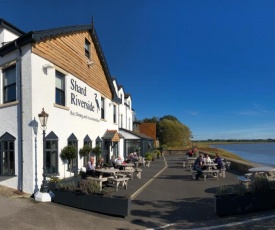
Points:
(6, 36)
(62, 122)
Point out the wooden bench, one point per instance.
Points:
(138, 172)
(98, 180)
(128, 172)
(205, 173)
(184, 164)
(244, 180)
(123, 181)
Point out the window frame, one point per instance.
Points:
(87, 48)
(60, 94)
(51, 137)
(114, 114)
(12, 86)
(72, 140)
(8, 139)
(102, 108)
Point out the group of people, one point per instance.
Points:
(92, 166)
(199, 164)
(193, 153)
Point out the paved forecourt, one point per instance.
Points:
(169, 199)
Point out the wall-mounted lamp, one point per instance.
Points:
(90, 63)
(46, 67)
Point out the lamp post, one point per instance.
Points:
(43, 117)
(44, 195)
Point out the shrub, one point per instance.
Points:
(70, 186)
(54, 179)
(238, 189)
(260, 185)
(107, 192)
(89, 186)
(85, 150)
(148, 156)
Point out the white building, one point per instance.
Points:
(64, 71)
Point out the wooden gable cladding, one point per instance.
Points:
(112, 135)
(67, 52)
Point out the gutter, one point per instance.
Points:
(20, 182)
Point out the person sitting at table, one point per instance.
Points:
(207, 159)
(190, 153)
(196, 152)
(198, 166)
(100, 163)
(90, 167)
(218, 161)
(118, 162)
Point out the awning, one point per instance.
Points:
(112, 135)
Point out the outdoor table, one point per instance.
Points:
(210, 165)
(265, 171)
(124, 165)
(112, 171)
(127, 171)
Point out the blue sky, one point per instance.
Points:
(210, 63)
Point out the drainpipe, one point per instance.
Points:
(20, 115)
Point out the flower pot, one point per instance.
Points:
(235, 204)
(107, 205)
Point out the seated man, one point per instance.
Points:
(198, 166)
(90, 168)
(218, 161)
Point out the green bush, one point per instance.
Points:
(260, 185)
(85, 151)
(70, 186)
(148, 156)
(89, 186)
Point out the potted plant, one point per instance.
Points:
(97, 151)
(85, 151)
(88, 196)
(53, 182)
(68, 153)
(237, 199)
(157, 153)
(148, 156)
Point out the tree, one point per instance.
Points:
(83, 152)
(68, 153)
(171, 132)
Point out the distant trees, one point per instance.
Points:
(170, 131)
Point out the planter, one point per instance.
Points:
(107, 205)
(235, 204)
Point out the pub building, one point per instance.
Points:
(62, 75)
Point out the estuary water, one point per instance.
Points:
(261, 153)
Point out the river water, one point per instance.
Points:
(261, 153)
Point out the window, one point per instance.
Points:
(72, 140)
(59, 88)
(51, 143)
(87, 141)
(7, 164)
(121, 121)
(9, 84)
(102, 108)
(87, 49)
(114, 114)
(131, 146)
